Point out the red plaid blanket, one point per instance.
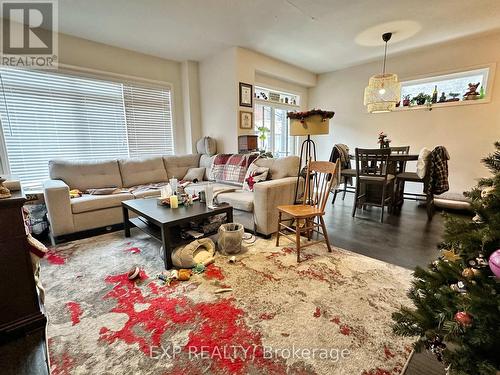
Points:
(231, 167)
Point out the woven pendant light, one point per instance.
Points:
(384, 90)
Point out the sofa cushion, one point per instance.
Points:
(177, 166)
(280, 167)
(146, 193)
(195, 174)
(239, 199)
(85, 174)
(142, 171)
(200, 186)
(206, 145)
(87, 202)
(206, 162)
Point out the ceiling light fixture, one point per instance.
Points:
(384, 90)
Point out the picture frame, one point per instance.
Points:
(246, 120)
(246, 95)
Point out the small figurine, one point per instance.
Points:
(406, 101)
(472, 93)
(442, 98)
(4, 192)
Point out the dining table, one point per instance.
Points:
(396, 163)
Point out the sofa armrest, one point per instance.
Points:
(267, 196)
(57, 200)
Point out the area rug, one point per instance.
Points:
(330, 314)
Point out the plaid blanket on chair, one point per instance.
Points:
(231, 167)
(438, 171)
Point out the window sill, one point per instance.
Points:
(443, 105)
(269, 102)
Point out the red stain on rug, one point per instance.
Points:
(345, 330)
(213, 272)
(267, 316)
(317, 313)
(60, 364)
(376, 371)
(133, 250)
(218, 330)
(388, 354)
(335, 320)
(75, 311)
(55, 259)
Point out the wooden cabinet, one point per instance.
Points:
(20, 309)
(247, 143)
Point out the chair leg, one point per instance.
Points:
(430, 206)
(383, 204)
(334, 195)
(355, 205)
(297, 238)
(345, 188)
(279, 228)
(325, 234)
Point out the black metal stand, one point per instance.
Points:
(307, 153)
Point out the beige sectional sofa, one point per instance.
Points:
(87, 212)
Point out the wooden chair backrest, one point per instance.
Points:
(400, 150)
(319, 180)
(372, 162)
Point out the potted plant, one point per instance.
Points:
(421, 99)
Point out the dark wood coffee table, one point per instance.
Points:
(163, 222)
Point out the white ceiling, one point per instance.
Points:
(318, 35)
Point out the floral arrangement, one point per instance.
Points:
(383, 141)
(325, 115)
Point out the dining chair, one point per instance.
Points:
(403, 177)
(400, 167)
(371, 169)
(308, 216)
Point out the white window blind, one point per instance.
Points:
(58, 116)
(149, 124)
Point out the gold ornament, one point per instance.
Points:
(468, 273)
(450, 255)
(487, 191)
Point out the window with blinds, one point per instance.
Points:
(58, 116)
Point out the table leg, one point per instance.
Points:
(229, 215)
(126, 222)
(167, 251)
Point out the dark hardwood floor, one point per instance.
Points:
(406, 239)
(25, 355)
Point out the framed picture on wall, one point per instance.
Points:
(246, 95)
(246, 120)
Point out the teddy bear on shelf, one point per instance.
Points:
(472, 93)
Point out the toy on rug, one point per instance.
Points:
(184, 274)
(134, 273)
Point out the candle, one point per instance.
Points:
(174, 202)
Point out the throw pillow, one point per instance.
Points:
(423, 156)
(206, 145)
(254, 174)
(194, 174)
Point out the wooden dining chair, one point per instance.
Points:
(371, 169)
(308, 216)
(400, 167)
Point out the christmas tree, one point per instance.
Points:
(456, 312)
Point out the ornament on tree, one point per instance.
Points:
(459, 287)
(450, 255)
(463, 318)
(487, 191)
(477, 219)
(470, 273)
(494, 263)
(436, 346)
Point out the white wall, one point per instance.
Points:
(468, 132)
(219, 99)
(219, 84)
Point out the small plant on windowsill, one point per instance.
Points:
(263, 131)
